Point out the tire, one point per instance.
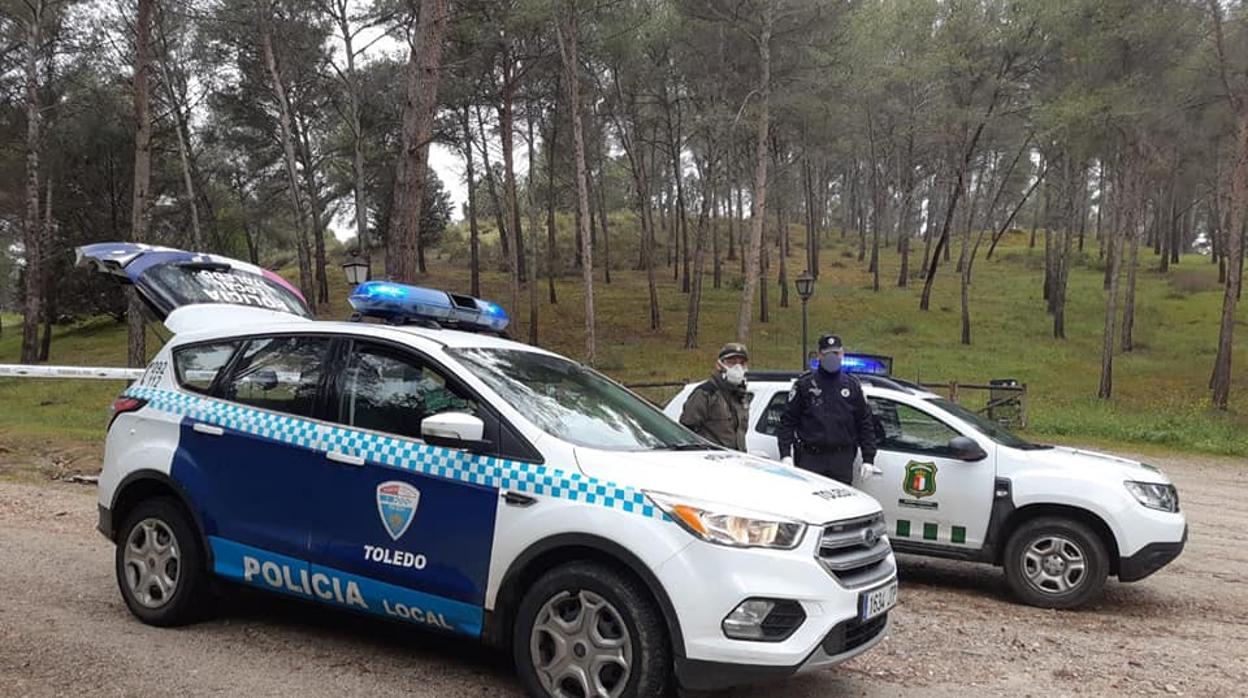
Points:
(160, 564)
(627, 650)
(1054, 562)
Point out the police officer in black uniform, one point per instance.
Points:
(827, 419)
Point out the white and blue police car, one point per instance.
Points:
(957, 485)
(427, 470)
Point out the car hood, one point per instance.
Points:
(1089, 464)
(732, 478)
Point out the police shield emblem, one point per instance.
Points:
(397, 502)
(920, 479)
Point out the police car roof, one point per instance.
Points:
(454, 339)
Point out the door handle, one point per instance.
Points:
(344, 458)
(516, 499)
(207, 429)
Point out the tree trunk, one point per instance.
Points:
(1128, 309)
(783, 231)
(1221, 383)
(602, 216)
(506, 136)
(419, 111)
(182, 131)
(474, 231)
(314, 208)
(49, 289)
(552, 252)
(1100, 205)
(568, 50)
(630, 141)
(136, 345)
(32, 232)
(1074, 178)
(1126, 221)
(292, 172)
(699, 250)
(531, 204)
(357, 147)
(758, 202)
(492, 185)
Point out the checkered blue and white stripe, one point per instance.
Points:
(487, 471)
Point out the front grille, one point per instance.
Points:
(856, 551)
(852, 634)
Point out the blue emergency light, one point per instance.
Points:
(403, 304)
(869, 364)
(866, 364)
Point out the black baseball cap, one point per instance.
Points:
(830, 342)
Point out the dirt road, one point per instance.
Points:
(64, 630)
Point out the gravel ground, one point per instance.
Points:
(1184, 631)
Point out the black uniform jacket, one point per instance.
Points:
(827, 411)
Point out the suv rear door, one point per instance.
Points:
(248, 454)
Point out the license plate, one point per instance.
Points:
(873, 603)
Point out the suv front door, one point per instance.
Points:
(930, 497)
(411, 523)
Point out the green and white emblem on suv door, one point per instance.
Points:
(920, 479)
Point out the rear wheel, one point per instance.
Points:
(160, 564)
(584, 630)
(1054, 562)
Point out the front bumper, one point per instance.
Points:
(847, 640)
(1149, 559)
(705, 582)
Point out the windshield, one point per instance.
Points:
(575, 403)
(991, 429)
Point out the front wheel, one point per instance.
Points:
(1054, 562)
(160, 564)
(584, 630)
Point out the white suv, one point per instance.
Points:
(466, 483)
(957, 485)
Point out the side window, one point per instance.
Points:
(280, 374)
(197, 367)
(903, 428)
(769, 424)
(387, 391)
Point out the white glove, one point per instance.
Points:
(787, 461)
(867, 470)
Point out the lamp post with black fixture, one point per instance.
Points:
(356, 269)
(805, 284)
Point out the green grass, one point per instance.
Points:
(1160, 390)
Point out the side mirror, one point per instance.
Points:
(452, 429)
(264, 379)
(965, 448)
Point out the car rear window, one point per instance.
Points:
(197, 366)
(187, 284)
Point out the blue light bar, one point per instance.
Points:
(400, 303)
(869, 364)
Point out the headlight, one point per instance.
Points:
(1154, 495)
(728, 525)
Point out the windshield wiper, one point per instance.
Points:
(685, 447)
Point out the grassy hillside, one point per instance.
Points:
(1160, 398)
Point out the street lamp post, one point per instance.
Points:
(805, 284)
(356, 269)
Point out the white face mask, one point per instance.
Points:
(735, 374)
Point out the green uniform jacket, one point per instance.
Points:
(719, 412)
